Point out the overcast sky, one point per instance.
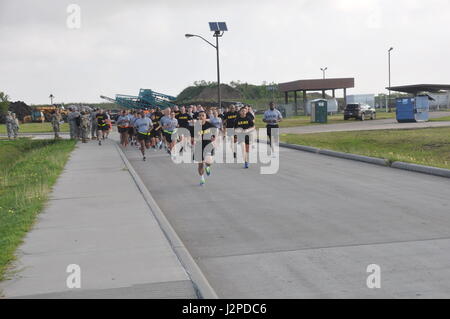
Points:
(123, 46)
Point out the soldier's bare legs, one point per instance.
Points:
(100, 136)
(124, 139)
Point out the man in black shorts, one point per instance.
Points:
(183, 119)
(157, 129)
(230, 119)
(272, 117)
(169, 125)
(102, 126)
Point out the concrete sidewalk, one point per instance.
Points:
(98, 219)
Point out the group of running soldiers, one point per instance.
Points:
(191, 126)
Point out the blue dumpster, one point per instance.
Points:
(413, 109)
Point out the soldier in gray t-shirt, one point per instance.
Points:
(169, 125)
(143, 126)
(272, 117)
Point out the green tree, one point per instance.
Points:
(4, 103)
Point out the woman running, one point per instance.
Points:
(244, 125)
(206, 138)
(123, 123)
(143, 126)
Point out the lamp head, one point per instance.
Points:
(188, 35)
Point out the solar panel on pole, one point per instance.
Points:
(214, 26)
(222, 26)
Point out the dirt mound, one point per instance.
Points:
(20, 108)
(227, 93)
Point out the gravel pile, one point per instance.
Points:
(20, 108)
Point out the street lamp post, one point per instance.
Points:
(389, 65)
(51, 98)
(219, 98)
(218, 32)
(323, 70)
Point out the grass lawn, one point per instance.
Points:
(306, 120)
(441, 119)
(28, 170)
(429, 146)
(36, 128)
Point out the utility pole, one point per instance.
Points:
(389, 64)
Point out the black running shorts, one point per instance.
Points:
(143, 137)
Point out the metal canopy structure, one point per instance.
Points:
(316, 85)
(420, 88)
(147, 99)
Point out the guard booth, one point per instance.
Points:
(319, 111)
(413, 109)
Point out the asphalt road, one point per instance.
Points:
(353, 125)
(311, 230)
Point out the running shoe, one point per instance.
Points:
(99, 142)
(144, 158)
(202, 181)
(208, 170)
(246, 165)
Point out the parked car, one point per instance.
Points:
(360, 111)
